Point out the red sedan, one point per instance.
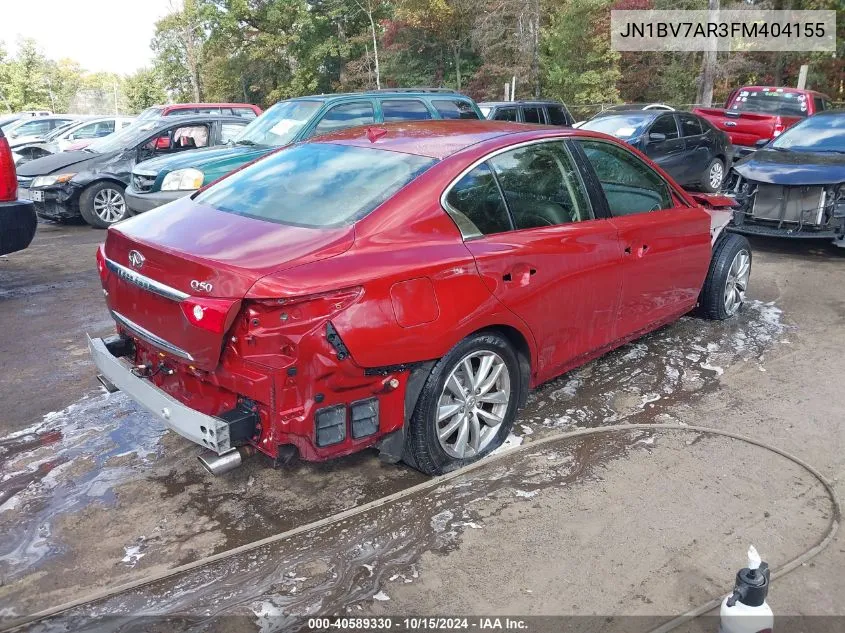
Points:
(402, 287)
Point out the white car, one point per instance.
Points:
(61, 139)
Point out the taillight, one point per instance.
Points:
(779, 127)
(302, 311)
(214, 315)
(101, 263)
(8, 178)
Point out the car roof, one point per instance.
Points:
(519, 102)
(437, 138)
(408, 93)
(167, 121)
(188, 106)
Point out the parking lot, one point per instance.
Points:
(95, 493)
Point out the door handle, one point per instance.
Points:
(642, 250)
(521, 273)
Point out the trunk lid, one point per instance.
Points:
(169, 260)
(745, 128)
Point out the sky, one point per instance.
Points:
(102, 35)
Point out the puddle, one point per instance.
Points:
(62, 464)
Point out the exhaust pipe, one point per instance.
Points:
(220, 464)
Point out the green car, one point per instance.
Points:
(161, 180)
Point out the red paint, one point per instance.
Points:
(400, 286)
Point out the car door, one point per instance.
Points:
(344, 115)
(698, 146)
(664, 244)
(541, 251)
(667, 150)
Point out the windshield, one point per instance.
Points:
(127, 137)
(770, 102)
(824, 133)
(149, 114)
(316, 184)
(621, 126)
(61, 130)
(279, 124)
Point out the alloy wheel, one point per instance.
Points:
(717, 174)
(109, 205)
(737, 281)
(473, 404)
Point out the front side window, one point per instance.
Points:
(346, 115)
(230, 131)
(505, 114)
(476, 205)
(541, 186)
(690, 125)
(454, 109)
(316, 184)
(533, 114)
(630, 186)
(404, 110)
(665, 125)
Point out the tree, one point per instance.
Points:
(590, 76)
(178, 47)
(142, 90)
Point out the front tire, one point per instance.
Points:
(723, 294)
(714, 176)
(467, 407)
(103, 204)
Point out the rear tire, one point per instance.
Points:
(723, 294)
(714, 176)
(103, 204)
(467, 406)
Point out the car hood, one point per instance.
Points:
(792, 168)
(204, 159)
(40, 166)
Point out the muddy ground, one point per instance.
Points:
(94, 491)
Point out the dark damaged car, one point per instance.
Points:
(91, 182)
(795, 186)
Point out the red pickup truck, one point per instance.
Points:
(761, 113)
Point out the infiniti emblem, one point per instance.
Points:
(136, 259)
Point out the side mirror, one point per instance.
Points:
(761, 143)
(162, 142)
(656, 137)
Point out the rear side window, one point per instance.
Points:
(346, 115)
(665, 124)
(247, 113)
(819, 104)
(557, 116)
(404, 110)
(533, 114)
(316, 184)
(630, 186)
(454, 109)
(476, 205)
(690, 125)
(505, 114)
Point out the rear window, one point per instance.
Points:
(454, 109)
(770, 102)
(316, 184)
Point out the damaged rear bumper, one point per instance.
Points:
(206, 430)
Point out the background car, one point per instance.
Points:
(91, 182)
(81, 132)
(17, 217)
(686, 146)
(401, 287)
(165, 179)
(757, 114)
(542, 112)
(794, 187)
(28, 129)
